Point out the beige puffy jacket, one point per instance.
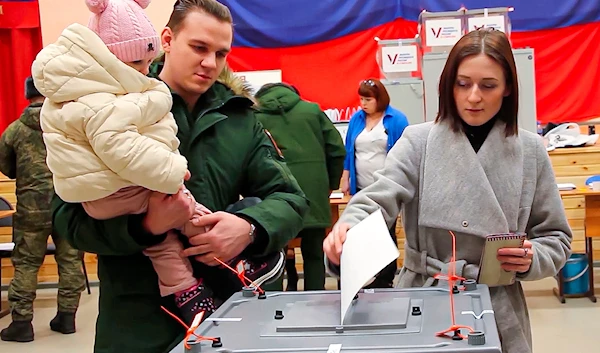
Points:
(105, 125)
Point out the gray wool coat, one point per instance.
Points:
(438, 181)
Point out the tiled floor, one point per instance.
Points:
(556, 327)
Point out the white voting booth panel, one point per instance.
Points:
(407, 96)
(433, 65)
(399, 61)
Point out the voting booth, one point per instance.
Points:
(400, 66)
(413, 87)
(439, 31)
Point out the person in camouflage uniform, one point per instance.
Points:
(23, 157)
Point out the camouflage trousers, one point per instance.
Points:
(28, 255)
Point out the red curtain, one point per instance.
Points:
(567, 64)
(329, 72)
(20, 41)
(567, 70)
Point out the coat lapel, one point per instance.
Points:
(501, 158)
(467, 192)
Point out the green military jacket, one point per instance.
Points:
(228, 155)
(23, 157)
(312, 147)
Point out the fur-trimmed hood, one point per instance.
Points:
(236, 84)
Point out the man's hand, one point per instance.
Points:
(228, 236)
(166, 212)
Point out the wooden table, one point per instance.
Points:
(4, 214)
(335, 204)
(592, 230)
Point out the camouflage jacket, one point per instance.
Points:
(23, 157)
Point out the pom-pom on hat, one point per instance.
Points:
(124, 28)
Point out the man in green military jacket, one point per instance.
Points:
(228, 153)
(314, 152)
(23, 157)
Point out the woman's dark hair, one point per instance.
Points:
(375, 89)
(183, 7)
(496, 46)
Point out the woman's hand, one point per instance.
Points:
(332, 245)
(345, 187)
(345, 183)
(516, 259)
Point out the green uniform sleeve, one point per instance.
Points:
(119, 236)
(8, 157)
(335, 152)
(281, 212)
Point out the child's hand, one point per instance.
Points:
(187, 176)
(166, 212)
(202, 210)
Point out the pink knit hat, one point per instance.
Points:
(124, 28)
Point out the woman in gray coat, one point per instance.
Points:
(473, 172)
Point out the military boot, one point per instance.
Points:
(18, 331)
(63, 323)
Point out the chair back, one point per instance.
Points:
(4, 206)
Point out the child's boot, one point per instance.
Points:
(263, 270)
(193, 300)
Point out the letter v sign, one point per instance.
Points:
(392, 59)
(437, 34)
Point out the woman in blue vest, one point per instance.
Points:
(372, 132)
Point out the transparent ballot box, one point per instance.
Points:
(496, 18)
(398, 58)
(439, 31)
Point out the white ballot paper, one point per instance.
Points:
(367, 250)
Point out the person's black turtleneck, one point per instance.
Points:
(478, 134)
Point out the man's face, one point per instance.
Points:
(196, 53)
